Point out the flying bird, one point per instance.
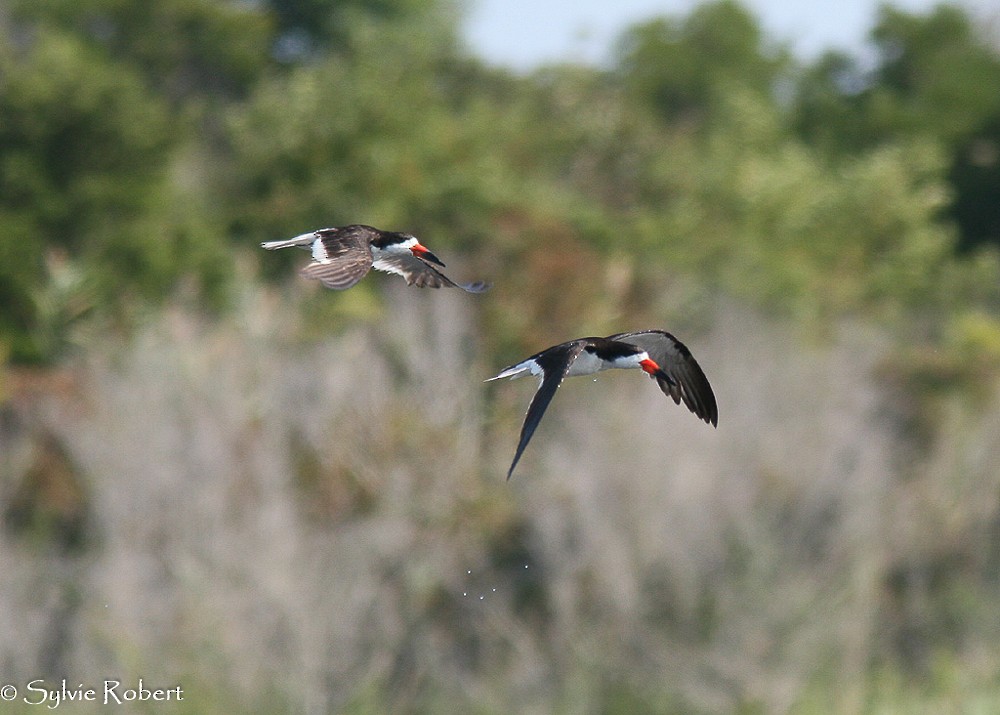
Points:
(343, 256)
(656, 352)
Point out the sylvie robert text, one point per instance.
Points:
(110, 692)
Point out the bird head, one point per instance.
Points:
(420, 251)
(651, 368)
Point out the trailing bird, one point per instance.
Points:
(343, 256)
(656, 352)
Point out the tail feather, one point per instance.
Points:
(512, 372)
(305, 240)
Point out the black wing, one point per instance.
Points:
(690, 384)
(555, 363)
(422, 274)
(348, 260)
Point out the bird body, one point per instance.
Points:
(342, 256)
(657, 353)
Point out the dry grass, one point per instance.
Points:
(322, 525)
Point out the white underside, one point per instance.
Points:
(380, 264)
(586, 363)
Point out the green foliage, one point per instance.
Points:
(941, 76)
(975, 176)
(180, 48)
(683, 68)
(83, 152)
(315, 27)
(935, 78)
(383, 120)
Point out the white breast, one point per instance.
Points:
(587, 364)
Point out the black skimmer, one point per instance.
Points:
(343, 256)
(662, 356)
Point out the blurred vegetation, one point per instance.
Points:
(147, 148)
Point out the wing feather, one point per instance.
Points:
(422, 274)
(344, 259)
(555, 362)
(340, 275)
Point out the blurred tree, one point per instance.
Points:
(385, 133)
(975, 176)
(940, 75)
(933, 76)
(82, 151)
(181, 48)
(828, 103)
(112, 152)
(307, 27)
(682, 67)
(936, 77)
(383, 120)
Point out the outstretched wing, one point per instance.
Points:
(555, 363)
(343, 259)
(422, 274)
(690, 384)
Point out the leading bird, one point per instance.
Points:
(656, 352)
(343, 256)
